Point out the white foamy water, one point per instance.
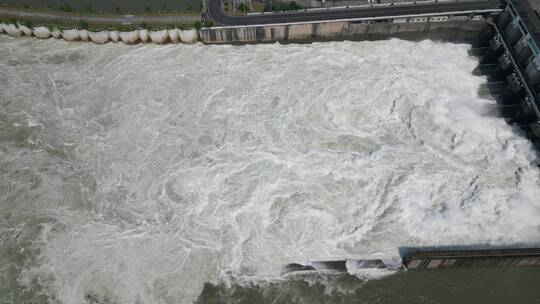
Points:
(134, 174)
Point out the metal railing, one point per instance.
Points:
(511, 8)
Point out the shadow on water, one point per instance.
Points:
(458, 285)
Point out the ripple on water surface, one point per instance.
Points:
(136, 173)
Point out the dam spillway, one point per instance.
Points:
(513, 50)
(119, 183)
(139, 173)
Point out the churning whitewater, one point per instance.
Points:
(134, 174)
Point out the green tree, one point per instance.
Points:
(148, 9)
(66, 8)
(88, 8)
(242, 7)
(294, 6)
(118, 10)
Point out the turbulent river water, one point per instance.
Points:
(135, 174)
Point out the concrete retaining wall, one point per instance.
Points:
(462, 28)
(473, 258)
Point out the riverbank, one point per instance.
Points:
(86, 21)
(166, 35)
(108, 7)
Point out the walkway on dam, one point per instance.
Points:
(52, 16)
(215, 12)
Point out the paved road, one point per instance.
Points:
(99, 19)
(216, 13)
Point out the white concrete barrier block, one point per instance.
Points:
(56, 33)
(174, 36)
(189, 36)
(144, 36)
(84, 35)
(114, 36)
(159, 37)
(129, 37)
(25, 30)
(71, 35)
(42, 32)
(99, 37)
(12, 30)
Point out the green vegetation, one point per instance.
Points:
(243, 8)
(66, 8)
(81, 21)
(294, 6)
(198, 25)
(190, 7)
(291, 6)
(83, 25)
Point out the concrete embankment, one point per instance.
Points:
(472, 258)
(455, 28)
(464, 28)
(172, 35)
(422, 259)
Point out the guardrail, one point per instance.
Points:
(511, 8)
(472, 12)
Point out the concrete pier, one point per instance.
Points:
(472, 258)
(514, 48)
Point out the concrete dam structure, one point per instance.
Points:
(422, 259)
(463, 27)
(512, 64)
(449, 20)
(472, 258)
(507, 40)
